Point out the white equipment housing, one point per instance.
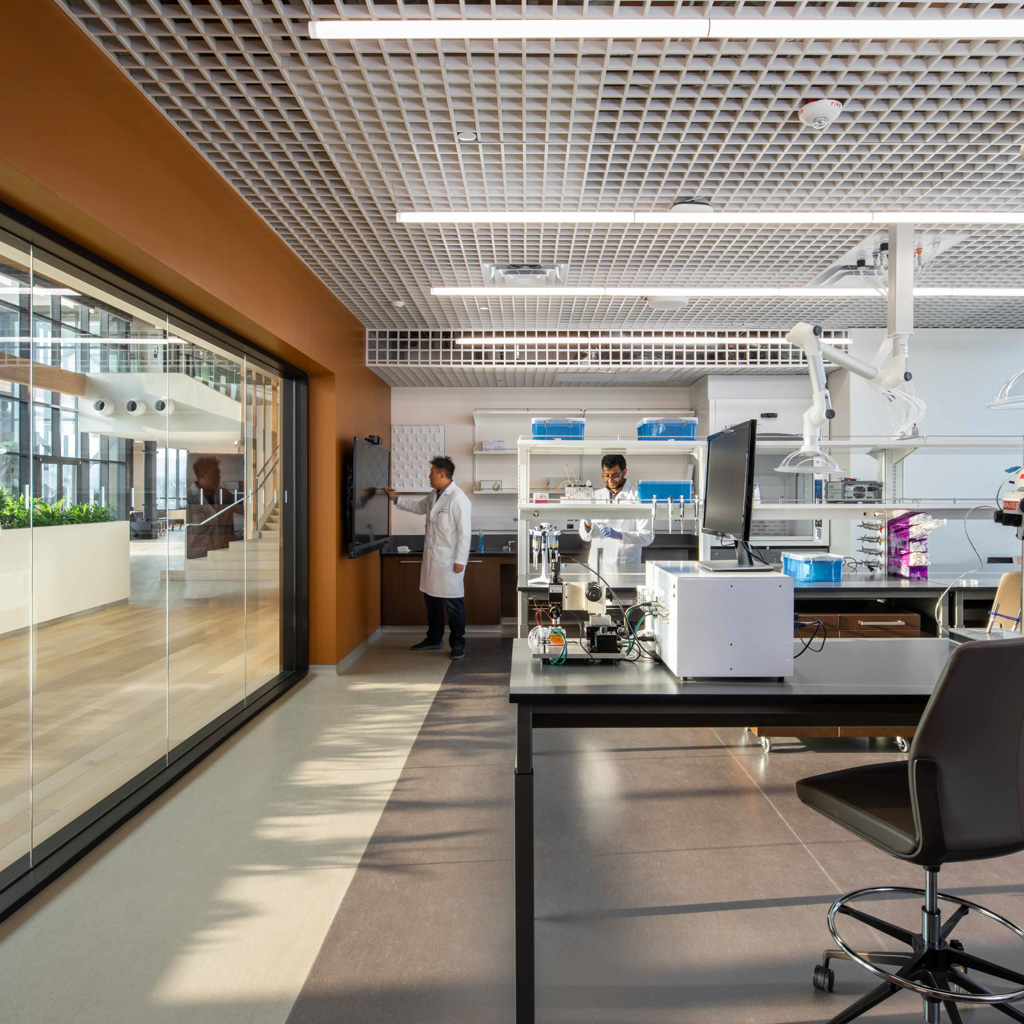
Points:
(722, 625)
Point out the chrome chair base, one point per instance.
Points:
(934, 967)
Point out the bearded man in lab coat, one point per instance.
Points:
(616, 543)
(445, 554)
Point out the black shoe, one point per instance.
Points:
(427, 645)
(458, 653)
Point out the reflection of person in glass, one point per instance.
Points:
(208, 530)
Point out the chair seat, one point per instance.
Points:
(872, 801)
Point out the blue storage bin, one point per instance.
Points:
(557, 430)
(677, 428)
(659, 490)
(812, 568)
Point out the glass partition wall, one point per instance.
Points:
(142, 568)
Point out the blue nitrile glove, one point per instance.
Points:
(610, 534)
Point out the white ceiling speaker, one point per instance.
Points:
(103, 406)
(666, 304)
(164, 405)
(819, 114)
(134, 407)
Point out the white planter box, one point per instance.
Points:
(76, 568)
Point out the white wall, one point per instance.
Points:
(956, 373)
(453, 407)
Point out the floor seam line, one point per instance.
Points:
(810, 853)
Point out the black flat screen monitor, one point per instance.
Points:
(729, 491)
(367, 507)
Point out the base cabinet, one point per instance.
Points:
(402, 603)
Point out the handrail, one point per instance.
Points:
(274, 456)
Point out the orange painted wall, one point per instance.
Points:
(140, 196)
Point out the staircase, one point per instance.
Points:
(256, 560)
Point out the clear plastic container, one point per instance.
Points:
(659, 490)
(557, 429)
(677, 428)
(818, 567)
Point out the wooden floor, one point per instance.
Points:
(113, 691)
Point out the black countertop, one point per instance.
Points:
(660, 549)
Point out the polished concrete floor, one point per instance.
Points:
(347, 858)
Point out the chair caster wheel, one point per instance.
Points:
(903, 744)
(824, 978)
(766, 742)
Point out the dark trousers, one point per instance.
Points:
(456, 609)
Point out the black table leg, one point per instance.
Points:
(523, 806)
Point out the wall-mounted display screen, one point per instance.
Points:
(368, 506)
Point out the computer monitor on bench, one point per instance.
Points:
(729, 493)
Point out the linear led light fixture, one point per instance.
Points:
(667, 28)
(630, 339)
(567, 292)
(723, 218)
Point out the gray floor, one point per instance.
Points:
(679, 879)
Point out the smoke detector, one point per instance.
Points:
(819, 114)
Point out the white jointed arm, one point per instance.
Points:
(808, 338)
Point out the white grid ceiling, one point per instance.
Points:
(328, 141)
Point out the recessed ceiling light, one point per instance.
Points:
(693, 213)
(467, 136)
(485, 309)
(619, 27)
(397, 303)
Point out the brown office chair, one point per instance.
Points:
(959, 796)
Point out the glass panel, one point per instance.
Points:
(99, 606)
(206, 591)
(15, 565)
(263, 530)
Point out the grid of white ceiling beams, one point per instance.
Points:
(328, 141)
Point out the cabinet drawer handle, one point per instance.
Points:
(880, 622)
(476, 561)
(410, 561)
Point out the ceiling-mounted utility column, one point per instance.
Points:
(901, 281)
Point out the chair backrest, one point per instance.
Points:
(967, 758)
(1005, 611)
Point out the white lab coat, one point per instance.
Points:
(636, 533)
(445, 539)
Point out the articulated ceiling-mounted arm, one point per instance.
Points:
(809, 458)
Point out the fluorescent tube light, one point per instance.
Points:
(631, 339)
(562, 291)
(568, 292)
(719, 217)
(667, 28)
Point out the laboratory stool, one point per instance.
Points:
(958, 797)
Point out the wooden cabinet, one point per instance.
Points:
(879, 624)
(402, 603)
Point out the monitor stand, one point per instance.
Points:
(743, 562)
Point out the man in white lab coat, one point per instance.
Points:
(616, 543)
(445, 554)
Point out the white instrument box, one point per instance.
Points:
(722, 624)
